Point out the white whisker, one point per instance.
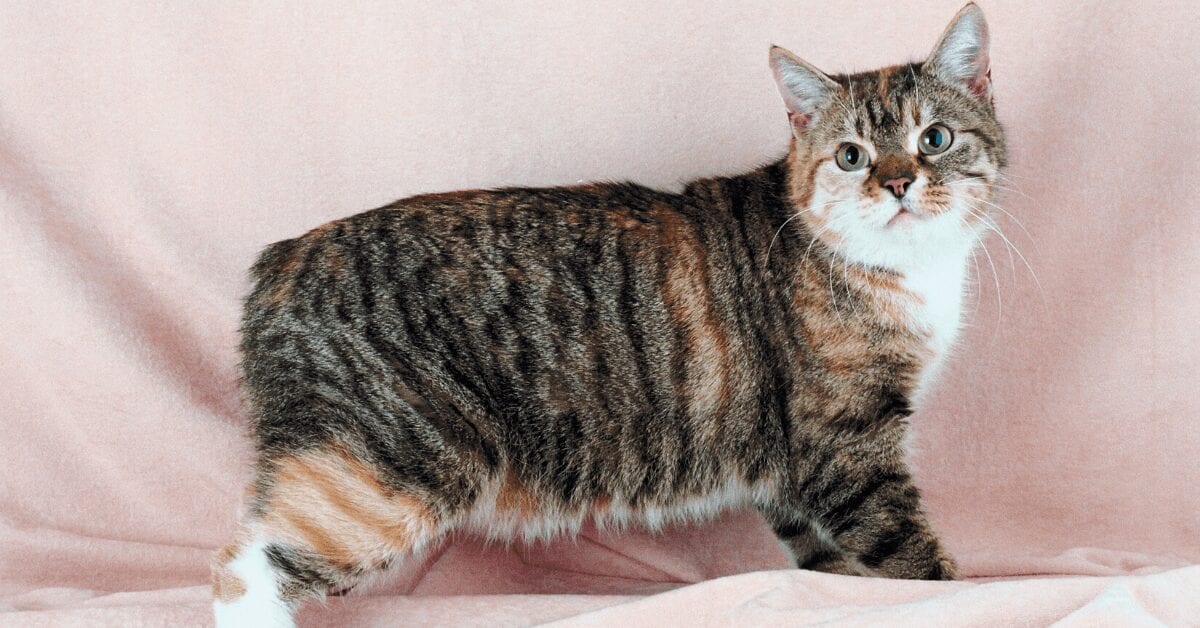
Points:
(992, 226)
(809, 209)
(996, 280)
(846, 281)
(1010, 216)
(804, 259)
(832, 294)
(975, 286)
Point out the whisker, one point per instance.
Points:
(846, 281)
(916, 90)
(975, 286)
(996, 280)
(1012, 217)
(1009, 175)
(1011, 186)
(813, 242)
(991, 204)
(992, 226)
(1011, 248)
(974, 263)
(990, 182)
(832, 294)
(853, 102)
(794, 216)
(804, 260)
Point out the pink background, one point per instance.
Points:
(147, 152)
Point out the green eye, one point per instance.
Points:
(851, 157)
(936, 139)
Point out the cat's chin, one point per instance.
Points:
(904, 219)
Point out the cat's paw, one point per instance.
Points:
(841, 564)
(943, 569)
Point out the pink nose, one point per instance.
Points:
(897, 186)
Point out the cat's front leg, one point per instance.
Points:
(858, 515)
(874, 516)
(810, 549)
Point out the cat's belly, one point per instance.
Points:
(506, 510)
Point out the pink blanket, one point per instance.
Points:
(147, 151)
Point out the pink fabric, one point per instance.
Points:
(148, 151)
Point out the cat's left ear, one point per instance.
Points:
(961, 55)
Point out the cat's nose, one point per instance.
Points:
(898, 186)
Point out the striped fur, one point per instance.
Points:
(517, 362)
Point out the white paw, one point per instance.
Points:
(252, 597)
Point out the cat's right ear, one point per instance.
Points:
(805, 89)
(961, 55)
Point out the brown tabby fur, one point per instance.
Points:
(518, 361)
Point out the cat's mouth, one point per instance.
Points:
(904, 217)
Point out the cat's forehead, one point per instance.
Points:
(885, 105)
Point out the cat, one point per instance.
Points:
(517, 362)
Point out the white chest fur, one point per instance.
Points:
(936, 312)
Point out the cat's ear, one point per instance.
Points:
(961, 55)
(805, 89)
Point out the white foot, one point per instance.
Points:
(247, 592)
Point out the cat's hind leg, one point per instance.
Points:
(246, 588)
(319, 521)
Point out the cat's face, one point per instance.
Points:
(897, 167)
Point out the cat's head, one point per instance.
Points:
(898, 166)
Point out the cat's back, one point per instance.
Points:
(424, 233)
(492, 290)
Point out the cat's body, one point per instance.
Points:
(659, 357)
(517, 362)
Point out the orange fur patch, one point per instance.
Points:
(885, 79)
(335, 259)
(319, 231)
(227, 586)
(689, 302)
(333, 504)
(514, 497)
(624, 221)
(803, 171)
(836, 331)
(845, 350)
(885, 295)
(280, 293)
(290, 264)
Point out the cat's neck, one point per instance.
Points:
(924, 299)
(931, 283)
(920, 288)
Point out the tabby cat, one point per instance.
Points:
(516, 362)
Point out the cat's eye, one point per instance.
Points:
(851, 157)
(936, 139)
